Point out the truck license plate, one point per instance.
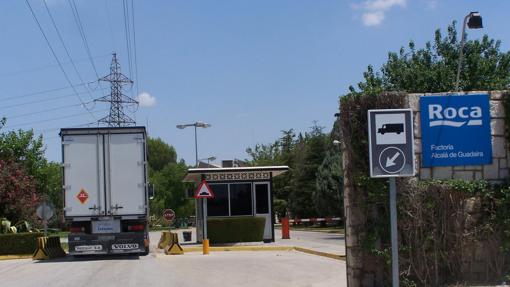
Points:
(82, 248)
(106, 226)
(125, 246)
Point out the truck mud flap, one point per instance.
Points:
(124, 243)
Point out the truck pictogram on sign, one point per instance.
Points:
(82, 196)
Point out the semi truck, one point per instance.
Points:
(106, 191)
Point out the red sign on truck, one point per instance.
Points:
(82, 196)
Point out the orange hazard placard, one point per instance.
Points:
(82, 196)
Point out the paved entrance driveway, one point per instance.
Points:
(219, 269)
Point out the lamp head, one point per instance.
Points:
(202, 125)
(474, 21)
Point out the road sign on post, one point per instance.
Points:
(169, 214)
(45, 212)
(391, 143)
(204, 191)
(391, 149)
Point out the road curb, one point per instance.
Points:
(268, 248)
(11, 257)
(241, 248)
(320, 253)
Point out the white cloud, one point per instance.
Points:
(383, 5)
(146, 100)
(432, 4)
(373, 18)
(375, 10)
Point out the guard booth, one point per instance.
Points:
(238, 191)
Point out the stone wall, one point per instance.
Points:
(495, 172)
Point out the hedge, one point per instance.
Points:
(18, 243)
(235, 229)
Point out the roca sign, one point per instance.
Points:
(472, 116)
(455, 130)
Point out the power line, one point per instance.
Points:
(44, 100)
(125, 6)
(23, 71)
(44, 111)
(108, 17)
(31, 94)
(134, 47)
(79, 24)
(58, 128)
(64, 45)
(56, 58)
(42, 132)
(51, 119)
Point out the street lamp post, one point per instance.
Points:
(473, 21)
(204, 201)
(339, 144)
(195, 125)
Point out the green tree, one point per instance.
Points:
(24, 148)
(171, 191)
(309, 155)
(22, 155)
(160, 154)
(52, 172)
(280, 152)
(166, 174)
(433, 68)
(328, 197)
(18, 196)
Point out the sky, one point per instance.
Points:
(249, 68)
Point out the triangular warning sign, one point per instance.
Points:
(204, 191)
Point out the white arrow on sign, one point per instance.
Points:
(391, 161)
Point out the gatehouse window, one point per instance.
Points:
(240, 199)
(219, 205)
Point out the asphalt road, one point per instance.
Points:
(219, 269)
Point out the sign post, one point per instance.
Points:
(391, 149)
(45, 212)
(204, 192)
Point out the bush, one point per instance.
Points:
(19, 243)
(235, 229)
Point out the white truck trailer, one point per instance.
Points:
(106, 193)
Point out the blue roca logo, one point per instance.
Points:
(453, 117)
(455, 130)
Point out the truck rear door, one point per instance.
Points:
(126, 167)
(83, 175)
